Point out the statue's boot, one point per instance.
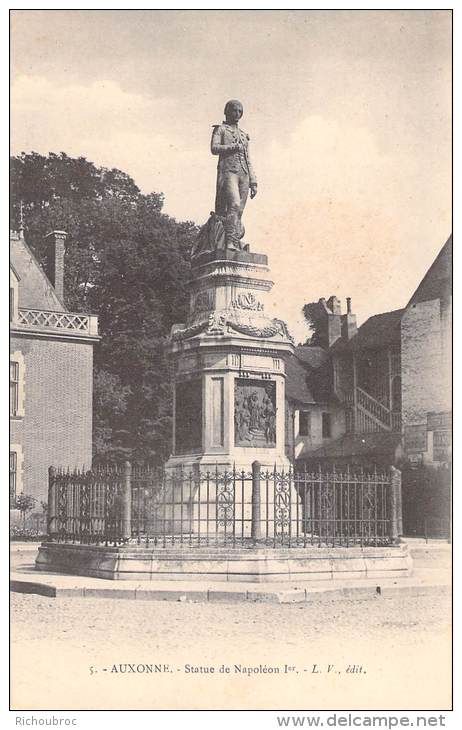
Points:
(233, 230)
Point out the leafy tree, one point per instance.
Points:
(24, 503)
(315, 316)
(127, 262)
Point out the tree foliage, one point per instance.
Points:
(127, 262)
(24, 503)
(315, 317)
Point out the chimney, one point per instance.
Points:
(334, 327)
(334, 305)
(349, 326)
(326, 319)
(56, 241)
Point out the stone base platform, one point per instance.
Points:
(254, 565)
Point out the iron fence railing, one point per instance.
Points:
(236, 508)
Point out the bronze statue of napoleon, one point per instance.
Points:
(235, 178)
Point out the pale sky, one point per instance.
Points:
(349, 115)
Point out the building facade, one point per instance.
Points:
(426, 345)
(51, 371)
(380, 394)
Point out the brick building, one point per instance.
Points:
(380, 393)
(51, 370)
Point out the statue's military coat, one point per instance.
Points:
(224, 139)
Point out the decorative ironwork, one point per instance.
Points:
(281, 507)
(110, 505)
(225, 498)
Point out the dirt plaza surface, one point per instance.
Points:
(80, 653)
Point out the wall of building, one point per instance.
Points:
(343, 375)
(298, 446)
(425, 378)
(57, 425)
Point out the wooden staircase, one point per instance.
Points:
(371, 416)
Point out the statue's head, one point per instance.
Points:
(233, 111)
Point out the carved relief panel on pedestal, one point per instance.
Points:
(254, 413)
(246, 300)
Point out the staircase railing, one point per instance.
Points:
(374, 407)
(371, 415)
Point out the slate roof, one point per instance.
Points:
(437, 282)
(379, 330)
(36, 291)
(297, 387)
(309, 375)
(313, 356)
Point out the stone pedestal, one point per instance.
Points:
(141, 563)
(229, 372)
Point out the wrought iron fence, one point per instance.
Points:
(87, 506)
(236, 508)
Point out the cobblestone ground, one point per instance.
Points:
(65, 651)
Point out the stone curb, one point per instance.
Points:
(303, 595)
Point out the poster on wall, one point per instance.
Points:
(254, 414)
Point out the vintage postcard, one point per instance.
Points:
(230, 361)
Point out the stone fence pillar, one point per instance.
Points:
(396, 518)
